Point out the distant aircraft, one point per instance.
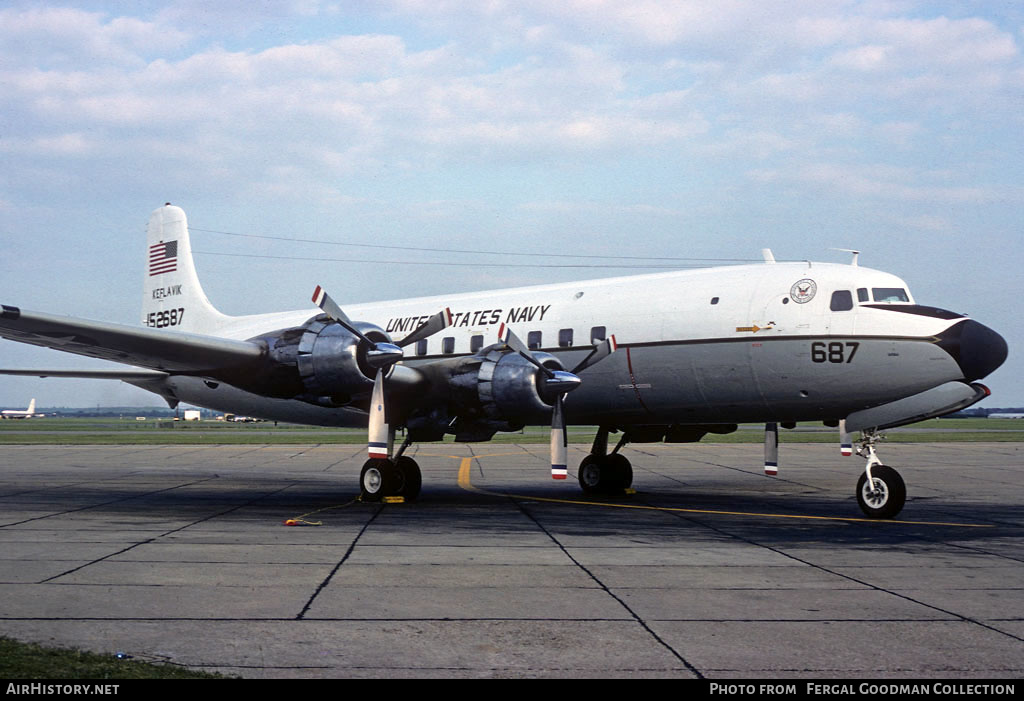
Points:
(18, 414)
(661, 357)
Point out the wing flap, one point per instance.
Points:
(155, 349)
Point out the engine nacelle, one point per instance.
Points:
(501, 388)
(320, 362)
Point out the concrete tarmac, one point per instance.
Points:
(712, 569)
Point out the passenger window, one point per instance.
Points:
(421, 346)
(889, 294)
(842, 301)
(476, 343)
(565, 338)
(862, 294)
(448, 345)
(714, 300)
(533, 340)
(598, 334)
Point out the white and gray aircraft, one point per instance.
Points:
(19, 414)
(659, 357)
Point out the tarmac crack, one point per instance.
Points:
(105, 503)
(822, 568)
(344, 558)
(162, 535)
(604, 587)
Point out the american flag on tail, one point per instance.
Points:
(163, 258)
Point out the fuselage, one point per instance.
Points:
(769, 342)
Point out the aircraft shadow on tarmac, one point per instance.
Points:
(656, 516)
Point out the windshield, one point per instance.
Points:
(889, 294)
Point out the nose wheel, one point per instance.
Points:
(881, 492)
(883, 495)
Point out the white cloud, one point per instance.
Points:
(64, 37)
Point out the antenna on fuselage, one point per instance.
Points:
(850, 250)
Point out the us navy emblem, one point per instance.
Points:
(803, 291)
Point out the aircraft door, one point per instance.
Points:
(792, 312)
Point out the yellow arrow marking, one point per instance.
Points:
(755, 329)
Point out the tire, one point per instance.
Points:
(622, 472)
(591, 474)
(605, 474)
(410, 478)
(377, 479)
(889, 496)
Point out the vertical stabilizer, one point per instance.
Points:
(172, 297)
(31, 407)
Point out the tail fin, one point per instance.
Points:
(31, 406)
(171, 294)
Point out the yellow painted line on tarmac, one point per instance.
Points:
(465, 483)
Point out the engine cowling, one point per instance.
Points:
(495, 390)
(320, 362)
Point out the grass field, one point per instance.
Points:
(28, 661)
(89, 431)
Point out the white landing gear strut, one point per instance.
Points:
(881, 492)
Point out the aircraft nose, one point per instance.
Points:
(977, 349)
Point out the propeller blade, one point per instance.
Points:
(845, 444)
(515, 343)
(558, 382)
(601, 351)
(377, 440)
(331, 309)
(378, 355)
(437, 322)
(771, 449)
(559, 441)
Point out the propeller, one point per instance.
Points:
(560, 383)
(380, 355)
(771, 449)
(845, 444)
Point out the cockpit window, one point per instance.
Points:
(842, 301)
(889, 294)
(862, 294)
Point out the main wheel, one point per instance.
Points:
(592, 474)
(378, 479)
(884, 498)
(622, 472)
(605, 474)
(410, 477)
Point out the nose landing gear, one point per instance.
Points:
(881, 492)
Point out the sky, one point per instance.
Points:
(705, 129)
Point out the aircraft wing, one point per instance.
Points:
(143, 347)
(88, 374)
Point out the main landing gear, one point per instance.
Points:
(603, 473)
(397, 477)
(881, 492)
